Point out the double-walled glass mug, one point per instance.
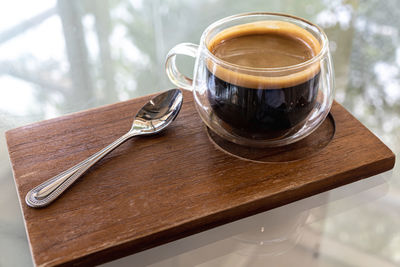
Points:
(260, 79)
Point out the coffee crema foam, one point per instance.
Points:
(285, 45)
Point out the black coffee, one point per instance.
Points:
(253, 105)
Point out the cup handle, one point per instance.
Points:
(176, 77)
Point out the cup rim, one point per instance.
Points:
(315, 59)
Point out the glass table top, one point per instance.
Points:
(58, 57)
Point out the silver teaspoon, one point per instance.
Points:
(154, 116)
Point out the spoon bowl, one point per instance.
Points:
(158, 113)
(152, 118)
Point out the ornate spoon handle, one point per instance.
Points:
(43, 194)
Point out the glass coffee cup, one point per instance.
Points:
(260, 79)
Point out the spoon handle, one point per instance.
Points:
(45, 193)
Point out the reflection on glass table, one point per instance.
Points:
(285, 236)
(58, 57)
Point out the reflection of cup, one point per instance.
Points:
(275, 237)
(259, 78)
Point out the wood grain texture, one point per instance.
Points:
(152, 190)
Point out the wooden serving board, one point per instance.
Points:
(153, 190)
